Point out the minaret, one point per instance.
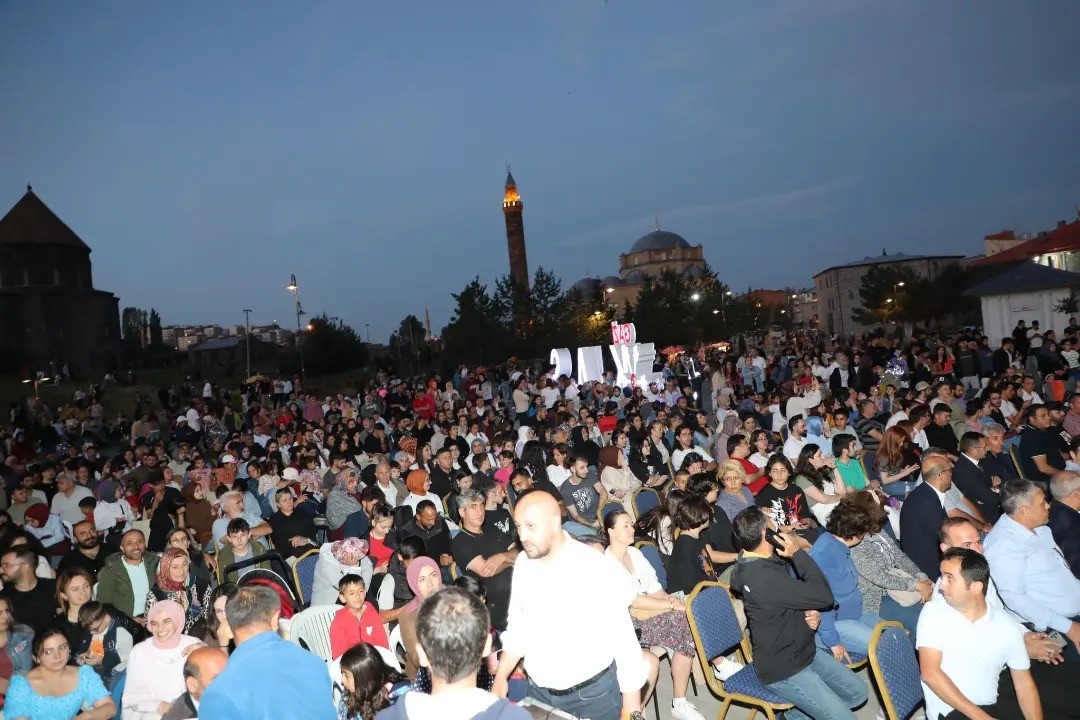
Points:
(515, 235)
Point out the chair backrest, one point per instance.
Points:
(1015, 457)
(869, 463)
(311, 628)
(652, 554)
(645, 499)
(712, 620)
(896, 672)
(304, 574)
(608, 507)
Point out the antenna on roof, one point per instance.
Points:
(656, 221)
(30, 188)
(883, 253)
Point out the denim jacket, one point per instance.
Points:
(18, 649)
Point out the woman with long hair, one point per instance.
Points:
(15, 647)
(55, 690)
(74, 588)
(657, 523)
(646, 465)
(785, 502)
(366, 681)
(819, 478)
(897, 461)
(660, 618)
(761, 444)
(619, 481)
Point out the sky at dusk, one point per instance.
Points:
(205, 151)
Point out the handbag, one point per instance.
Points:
(904, 598)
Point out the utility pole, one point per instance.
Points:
(247, 338)
(295, 290)
(367, 333)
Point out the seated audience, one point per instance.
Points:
(336, 560)
(976, 485)
(200, 669)
(175, 582)
(1065, 517)
(366, 683)
(55, 690)
(155, 667)
(109, 638)
(734, 495)
(358, 621)
(922, 514)
(425, 579)
(964, 642)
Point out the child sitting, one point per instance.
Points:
(110, 643)
(48, 528)
(87, 505)
(358, 621)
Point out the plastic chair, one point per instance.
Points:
(311, 629)
(716, 631)
(1016, 461)
(644, 500)
(895, 670)
(304, 574)
(652, 554)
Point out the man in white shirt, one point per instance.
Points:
(1027, 391)
(796, 438)
(66, 501)
(963, 644)
(590, 669)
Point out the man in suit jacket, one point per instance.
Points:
(971, 480)
(922, 514)
(1065, 517)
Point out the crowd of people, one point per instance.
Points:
(493, 521)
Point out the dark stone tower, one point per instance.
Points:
(515, 235)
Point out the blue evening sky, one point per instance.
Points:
(206, 150)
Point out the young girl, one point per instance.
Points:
(368, 685)
(689, 563)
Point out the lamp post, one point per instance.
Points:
(247, 338)
(37, 380)
(295, 290)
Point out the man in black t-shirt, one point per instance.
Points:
(485, 553)
(293, 532)
(87, 552)
(495, 513)
(1040, 456)
(33, 599)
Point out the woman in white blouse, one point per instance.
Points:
(155, 675)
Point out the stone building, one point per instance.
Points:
(649, 256)
(50, 313)
(837, 287)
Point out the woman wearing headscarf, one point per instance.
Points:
(732, 425)
(525, 434)
(343, 499)
(198, 512)
(112, 515)
(617, 477)
(418, 483)
(176, 582)
(155, 676)
(425, 579)
(336, 560)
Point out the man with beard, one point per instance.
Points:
(86, 553)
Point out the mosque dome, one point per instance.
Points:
(694, 271)
(659, 240)
(612, 281)
(635, 277)
(587, 286)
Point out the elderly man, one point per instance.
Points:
(1032, 576)
(201, 667)
(232, 507)
(485, 553)
(126, 578)
(595, 670)
(68, 496)
(266, 677)
(1065, 517)
(923, 512)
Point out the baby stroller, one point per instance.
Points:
(277, 578)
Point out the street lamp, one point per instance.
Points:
(695, 297)
(295, 290)
(36, 380)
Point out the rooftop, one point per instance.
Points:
(31, 222)
(1064, 238)
(1025, 277)
(885, 258)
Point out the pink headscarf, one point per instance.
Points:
(349, 551)
(172, 609)
(412, 574)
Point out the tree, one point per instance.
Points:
(155, 329)
(885, 294)
(534, 320)
(331, 346)
(475, 333)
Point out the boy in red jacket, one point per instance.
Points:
(358, 621)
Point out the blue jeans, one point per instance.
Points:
(898, 488)
(906, 616)
(577, 529)
(600, 700)
(823, 690)
(854, 634)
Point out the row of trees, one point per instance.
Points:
(897, 293)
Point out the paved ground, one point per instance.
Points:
(709, 705)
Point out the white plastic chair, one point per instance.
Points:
(312, 626)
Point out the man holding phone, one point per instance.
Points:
(779, 610)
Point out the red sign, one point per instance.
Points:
(623, 334)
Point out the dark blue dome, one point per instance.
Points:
(635, 277)
(587, 285)
(659, 240)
